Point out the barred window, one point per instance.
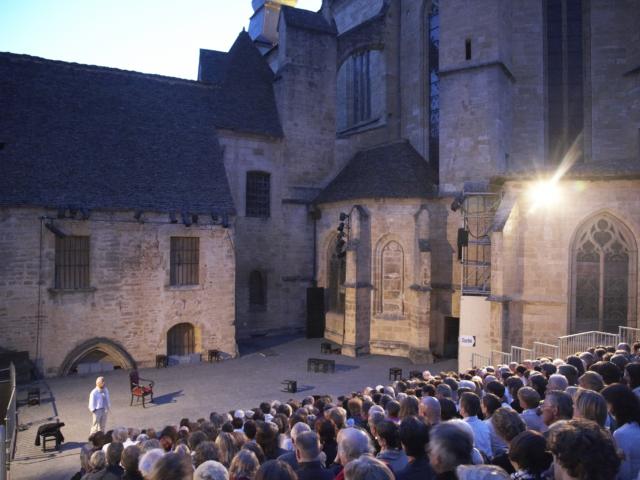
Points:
(185, 260)
(258, 194)
(72, 263)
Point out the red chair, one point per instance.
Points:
(140, 388)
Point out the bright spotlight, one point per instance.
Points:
(544, 194)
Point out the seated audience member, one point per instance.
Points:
(609, 371)
(625, 408)
(448, 410)
(148, 461)
(168, 438)
(97, 464)
(582, 451)
(391, 453)
(557, 405)
(326, 430)
(529, 456)
(355, 410)
(414, 437)
(530, 401)
(444, 391)
(557, 382)
(256, 449)
(430, 409)
(275, 470)
(172, 466)
(449, 446)
(409, 407)
(290, 457)
(570, 373)
(507, 424)
(469, 409)
(195, 439)
(591, 381)
(590, 405)
(513, 385)
(114, 471)
(96, 441)
(498, 390)
(129, 461)
(538, 383)
(211, 470)
(227, 448)
(352, 443)
(244, 465)
(367, 468)
(267, 438)
(308, 454)
(489, 404)
(632, 377)
(392, 410)
(481, 472)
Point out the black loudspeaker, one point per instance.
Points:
(463, 241)
(315, 312)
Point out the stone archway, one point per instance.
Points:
(96, 347)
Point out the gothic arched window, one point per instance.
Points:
(604, 277)
(391, 279)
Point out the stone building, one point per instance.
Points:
(387, 152)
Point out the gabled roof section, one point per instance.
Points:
(307, 20)
(100, 138)
(246, 101)
(393, 170)
(212, 66)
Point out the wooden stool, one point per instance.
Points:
(312, 364)
(214, 356)
(33, 396)
(395, 373)
(162, 361)
(325, 347)
(290, 386)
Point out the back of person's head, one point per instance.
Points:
(496, 388)
(557, 382)
(338, 415)
(114, 453)
(307, 446)
(97, 461)
(206, 451)
(196, 438)
(352, 442)
(355, 406)
(583, 450)
(256, 449)
(172, 466)
(528, 397)
(250, 428)
(409, 406)
(529, 450)
(590, 405)
(444, 391)
(449, 446)
(244, 464)
(211, 470)
(392, 408)
(414, 436)
(490, 403)
(120, 434)
(548, 369)
(227, 448)
(507, 423)
(562, 401)
(326, 430)
(538, 383)
(367, 468)
(591, 380)
(632, 372)
(390, 433)
(267, 438)
(609, 371)
(275, 470)
(577, 363)
(570, 373)
(265, 407)
(624, 404)
(481, 472)
(448, 409)
(297, 429)
(130, 458)
(470, 404)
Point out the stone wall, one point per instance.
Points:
(130, 302)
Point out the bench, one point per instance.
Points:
(321, 365)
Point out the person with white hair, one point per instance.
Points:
(481, 472)
(148, 460)
(352, 444)
(557, 382)
(367, 468)
(430, 409)
(290, 457)
(120, 435)
(450, 445)
(211, 470)
(99, 405)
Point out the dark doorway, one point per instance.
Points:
(451, 333)
(181, 340)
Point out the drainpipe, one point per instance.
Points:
(38, 360)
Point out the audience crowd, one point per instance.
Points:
(577, 418)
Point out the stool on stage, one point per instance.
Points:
(312, 364)
(415, 374)
(49, 431)
(33, 396)
(325, 347)
(214, 356)
(162, 361)
(395, 373)
(290, 386)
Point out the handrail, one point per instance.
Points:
(541, 349)
(519, 354)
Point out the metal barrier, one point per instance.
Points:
(629, 335)
(500, 358)
(541, 349)
(520, 354)
(479, 361)
(579, 342)
(9, 430)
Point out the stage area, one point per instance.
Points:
(191, 391)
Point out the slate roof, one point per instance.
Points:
(212, 66)
(307, 20)
(393, 170)
(609, 170)
(101, 138)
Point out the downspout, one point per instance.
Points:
(39, 307)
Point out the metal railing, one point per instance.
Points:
(579, 342)
(500, 358)
(479, 361)
(8, 428)
(629, 335)
(541, 349)
(520, 354)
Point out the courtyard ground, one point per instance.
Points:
(191, 391)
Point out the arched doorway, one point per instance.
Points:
(181, 340)
(97, 355)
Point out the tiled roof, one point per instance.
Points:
(393, 170)
(212, 66)
(101, 138)
(305, 19)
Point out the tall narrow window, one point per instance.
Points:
(72, 263)
(361, 88)
(337, 277)
(604, 278)
(565, 76)
(433, 19)
(391, 282)
(185, 260)
(258, 198)
(257, 291)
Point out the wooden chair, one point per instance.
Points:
(140, 388)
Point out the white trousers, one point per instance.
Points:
(99, 420)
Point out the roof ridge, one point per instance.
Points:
(99, 68)
(385, 144)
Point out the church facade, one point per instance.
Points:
(391, 170)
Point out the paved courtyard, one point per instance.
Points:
(190, 391)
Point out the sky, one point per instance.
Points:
(150, 36)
